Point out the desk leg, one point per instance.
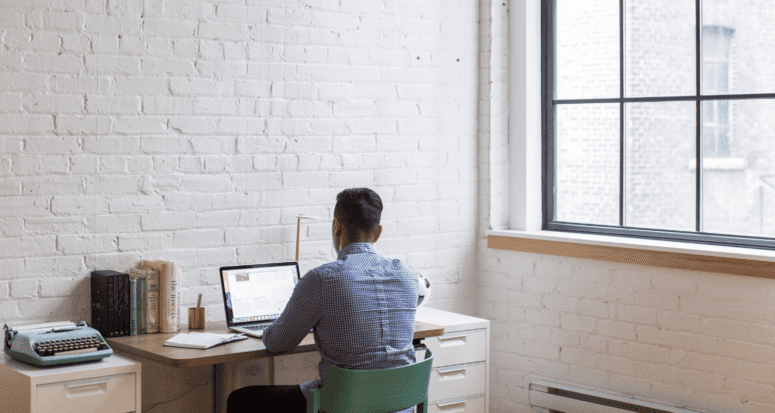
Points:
(223, 374)
(223, 383)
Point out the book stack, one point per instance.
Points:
(144, 301)
(110, 302)
(168, 294)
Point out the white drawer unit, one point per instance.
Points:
(108, 394)
(458, 347)
(111, 385)
(461, 362)
(457, 381)
(461, 405)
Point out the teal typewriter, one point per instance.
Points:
(54, 344)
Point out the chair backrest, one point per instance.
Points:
(372, 391)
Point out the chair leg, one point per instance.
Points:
(313, 402)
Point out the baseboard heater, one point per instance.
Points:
(556, 398)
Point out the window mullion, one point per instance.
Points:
(698, 56)
(622, 158)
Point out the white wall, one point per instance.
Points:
(196, 131)
(686, 338)
(703, 341)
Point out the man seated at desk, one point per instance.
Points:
(361, 308)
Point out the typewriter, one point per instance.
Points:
(53, 344)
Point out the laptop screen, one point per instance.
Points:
(254, 293)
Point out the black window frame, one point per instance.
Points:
(548, 104)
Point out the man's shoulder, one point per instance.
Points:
(325, 269)
(399, 266)
(377, 261)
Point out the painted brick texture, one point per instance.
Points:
(698, 340)
(196, 131)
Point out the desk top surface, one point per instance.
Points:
(151, 346)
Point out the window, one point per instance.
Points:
(657, 119)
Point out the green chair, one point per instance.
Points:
(373, 391)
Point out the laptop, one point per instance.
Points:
(255, 295)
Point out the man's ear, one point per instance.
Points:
(377, 234)
(337, 228)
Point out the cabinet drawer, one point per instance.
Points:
(456, 381)
(458, 347)
(107, 394)
(463, 405)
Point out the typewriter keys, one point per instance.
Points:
(67, 346)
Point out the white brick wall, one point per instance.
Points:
(195, 132)
(699, 340)
(702, 341)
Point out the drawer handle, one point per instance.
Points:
(452, 341)
(88, 388)
(87, 383)
(451, 407)
(454, 373)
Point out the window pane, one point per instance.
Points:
(587, 49)
(660, 48)
(660, 174)
(715, 127)
(737, 34)
(587, 164)
(739, 189)
(709, 112)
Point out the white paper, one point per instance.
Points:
(44, 327)
(202, 340)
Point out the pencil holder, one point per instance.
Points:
(196, 318)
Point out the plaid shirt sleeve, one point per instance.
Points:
(300, 314)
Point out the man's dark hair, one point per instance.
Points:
(358, 209)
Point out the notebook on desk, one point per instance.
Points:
(255, 295)
(202, 341)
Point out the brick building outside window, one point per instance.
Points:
(632, 164)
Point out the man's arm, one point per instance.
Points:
(298, 317)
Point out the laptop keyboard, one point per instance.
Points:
(258, 327)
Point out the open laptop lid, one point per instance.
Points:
(258, 292)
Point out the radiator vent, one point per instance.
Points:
(555, 398)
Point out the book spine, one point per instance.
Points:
(142, 306)
(176, 296)
(110, 316)
(132, 306)
(169, 290)
(152, 306)
(98, 303)
(123, 304)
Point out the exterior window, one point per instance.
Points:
(658, 119)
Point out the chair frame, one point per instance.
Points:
(374, 391)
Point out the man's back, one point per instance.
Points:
(362, 308)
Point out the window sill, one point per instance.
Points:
(669, 254)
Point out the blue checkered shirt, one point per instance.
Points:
(361, 308)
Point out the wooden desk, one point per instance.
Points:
(222, 358)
